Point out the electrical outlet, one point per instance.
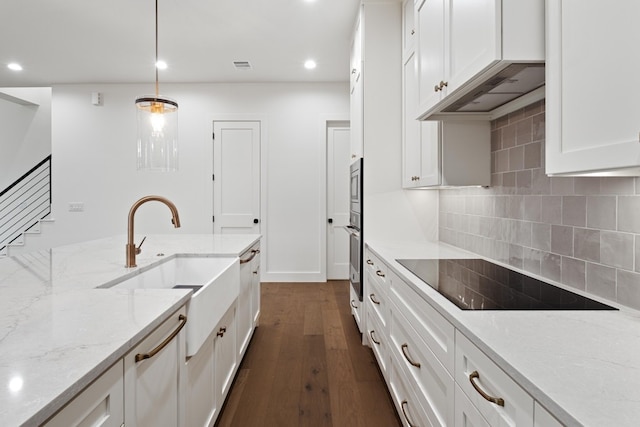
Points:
(76, 206)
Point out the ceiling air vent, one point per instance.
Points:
(242, 65)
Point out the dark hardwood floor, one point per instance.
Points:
(305, 365)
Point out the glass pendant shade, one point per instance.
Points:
(157, 118)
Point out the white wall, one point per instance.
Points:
(94, 148)
(25, 130)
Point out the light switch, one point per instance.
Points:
(76, 206)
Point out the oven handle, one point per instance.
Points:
(352, 230)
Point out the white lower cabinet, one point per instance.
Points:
(411, 413)
(467, 415)
(101, 404)
(435, 374)
(154, 377)
(356, 308)
(433, 384)
(210, 373)
(497, 397)
(245, 313)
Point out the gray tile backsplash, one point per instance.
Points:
(583, 232)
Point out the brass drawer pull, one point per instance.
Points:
(353, 304)
(373, 300)
(497, 400)
(221, 331)
(406, 417)
(253, 255)
(141, 356)
(380, 273)
(406, 356)
(373, 338)
(369, 262)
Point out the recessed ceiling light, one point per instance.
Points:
(161, 65)
(14, 66)
(310, 64)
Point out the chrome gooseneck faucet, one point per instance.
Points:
(132, 250)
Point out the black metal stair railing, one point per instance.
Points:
(25, 202)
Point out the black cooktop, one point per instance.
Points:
(477, 284)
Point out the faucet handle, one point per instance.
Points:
(138, 250)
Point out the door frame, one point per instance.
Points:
(264, 143)
(324, 123)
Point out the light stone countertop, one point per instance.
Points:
(582, 366)
(58, 332)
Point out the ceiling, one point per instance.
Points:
(113, 41)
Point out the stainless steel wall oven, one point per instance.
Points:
(356, 244)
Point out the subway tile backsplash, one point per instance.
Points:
(583, 232)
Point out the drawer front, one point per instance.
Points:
(466, 414)
(474, 367)
(378, 270)
(410, 411)
(434, 329)
(377, 337)
(431, 381)
(376, 298)
(356, 307)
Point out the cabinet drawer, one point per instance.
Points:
(467, 415)
(356, 307)
(424, 372)
(378, 270)
(377, 338)
(474, 367)
(100, 404)
(410, 411)
(376, 298)
(432, 327)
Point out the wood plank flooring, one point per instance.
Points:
(305, 365)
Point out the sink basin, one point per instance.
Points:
(215, 283)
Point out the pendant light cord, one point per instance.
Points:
(156, 64)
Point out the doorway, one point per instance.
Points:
(338, 159)
(236, 177)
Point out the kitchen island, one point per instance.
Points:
(59, 331)
(581, 366)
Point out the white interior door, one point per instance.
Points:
(236, 182)
(338, 179)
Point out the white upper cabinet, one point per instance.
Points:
(432, 150)
(357, 95)
(478, 55)
(592, 114)
(408, 28)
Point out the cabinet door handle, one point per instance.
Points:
(437, 88)
(142, 356)
(404, 348)
(373, 338)
(369, 262)
(404, 412)
(413, 32)
(497, 400)
(443, 84)
(380, 273)
(254, 252)
(353, 304)
(373, 300)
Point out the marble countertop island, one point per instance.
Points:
(58, 332)
(583, 366)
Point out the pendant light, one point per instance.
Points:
(157, 118)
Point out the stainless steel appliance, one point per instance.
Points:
(477, 284)
(356, 244)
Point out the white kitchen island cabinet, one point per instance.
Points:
(461, 44)
(248, 301)
(592, 115)
(101, 404)
(154, 377)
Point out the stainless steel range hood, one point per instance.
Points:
(509, 84)
(493, 94)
